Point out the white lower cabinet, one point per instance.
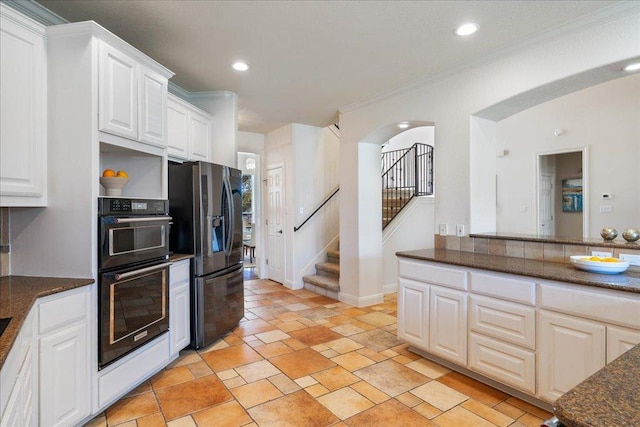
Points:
(413, 312)
(539, 337)
(620, 340)
(509, 364)
(448, 324)
(570, 349)
(63, 377)
(179, 328)
(64, 358)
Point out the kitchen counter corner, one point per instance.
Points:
(610, 397)
(17, 296)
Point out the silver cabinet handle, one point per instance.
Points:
(122, 276)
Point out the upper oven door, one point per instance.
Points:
(130, 240)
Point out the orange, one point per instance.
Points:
(609, 259)
(122, 174)
(594, 258)
(108, 173)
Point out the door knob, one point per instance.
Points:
(279, 231)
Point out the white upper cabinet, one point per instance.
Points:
(200, 129)
(177, 129)
(190, 131)
(152, 119)
(23, 111)
(118, 85)
(132, 98)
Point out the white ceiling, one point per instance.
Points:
(309, 58)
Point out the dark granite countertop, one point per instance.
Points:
(628, 281)
(17, 295)
(179, 257)
(610, 397)
(619, 242)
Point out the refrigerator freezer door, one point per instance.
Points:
(218, 306)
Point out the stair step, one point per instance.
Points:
(328, 283)
(333, 257)
(328, 269)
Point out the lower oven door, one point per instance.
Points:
(134, 308)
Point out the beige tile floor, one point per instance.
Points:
(300, 359)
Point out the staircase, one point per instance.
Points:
(327, 280)
(393, 200)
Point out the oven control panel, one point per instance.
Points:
(115, 206)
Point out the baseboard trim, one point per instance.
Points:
(390, 288)
(361, 301)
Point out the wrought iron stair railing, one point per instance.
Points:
(406, 174)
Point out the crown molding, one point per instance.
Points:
(614, 12)
(178, 91)
(211, 94)
(36, 11)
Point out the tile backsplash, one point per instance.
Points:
(541, 251)
(5, 256)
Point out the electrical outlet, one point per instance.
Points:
(444, 229)
(601, 254)
(633, 259)
(459, 230)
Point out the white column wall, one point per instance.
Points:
(448, 102)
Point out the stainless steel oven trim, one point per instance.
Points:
(112, 230)
(148, 272)
(120, 276)
(142, 219)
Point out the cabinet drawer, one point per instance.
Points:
(180, 272)
(64, 310)
(504, 320)
(618, 307)
(424, 272)
(504, 287)
(619, 341)
(132, 370)
(506, 363)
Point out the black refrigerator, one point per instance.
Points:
(205, 202)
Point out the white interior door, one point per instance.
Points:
(546, 225)
(275, 225)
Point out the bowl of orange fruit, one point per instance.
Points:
(113, 182)
(597, 264)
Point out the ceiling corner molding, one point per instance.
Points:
(36, 12)
(211, 94)
(178, 91)
(618, 10)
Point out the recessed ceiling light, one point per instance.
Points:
(240, 66)
(632, 67)
(403, 125)
(466, 29)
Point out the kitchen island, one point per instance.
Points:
(532, 328)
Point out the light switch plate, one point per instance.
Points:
(460, 230)
(443, 229)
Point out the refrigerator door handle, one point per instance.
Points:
(230, 220)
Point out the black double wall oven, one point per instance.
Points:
(133, 248)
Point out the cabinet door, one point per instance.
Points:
(118, 93)
(177, 130)
(200, 128)
(570, 349)
(413, 312)
(448, 324)
(152, 108)
(64, 388)
(179, 318)
(179, 306)
(619, 341)
(23, 115)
